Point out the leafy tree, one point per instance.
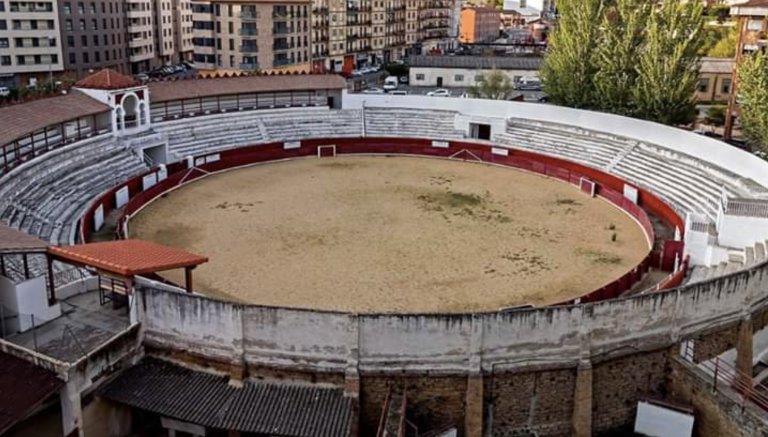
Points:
(570, 67)
(495, 85)
(395, 69)
(668, 64)
(715, 115)
(622, 35)
(753, 98)
(726, 46)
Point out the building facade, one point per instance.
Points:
(465, 71)
(753, 36)
(251, 36)
(715, 80)
(93, 35)
(30, 42)
(479, 24)
(159, 33)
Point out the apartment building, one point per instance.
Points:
(159, 33)
(371, 32)
(30, 45)
(479, 24)
(753, 36)
(93, 35)
(252, 35)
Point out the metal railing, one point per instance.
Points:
(724, 375)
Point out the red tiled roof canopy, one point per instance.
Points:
(23, 388)
(13, 241)
(128, 257)
(107, 79)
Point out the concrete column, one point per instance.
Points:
(473, 411)
(71, 410)
(582, 401)
(744, 352)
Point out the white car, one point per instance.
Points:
(4, 91)
(373, 91)
(442, 92)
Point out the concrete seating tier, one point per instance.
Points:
(411, 123)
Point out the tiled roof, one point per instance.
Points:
(195, 88)
(24, 118)
(107, 79)
(476, 62)
(277, 409)
(14, 241)
(716, 65)
(128, 257)
(23, 388)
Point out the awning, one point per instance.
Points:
(23, 388)
(17, 242)
(207, 399)
(127, 258)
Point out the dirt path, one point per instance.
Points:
(372, 234)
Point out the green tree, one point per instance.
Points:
(622, 35)
(570, 66)
(715, 115)
(495, 85)
(668, 64)
(753, 98)
(726, 46)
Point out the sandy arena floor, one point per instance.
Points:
(374, 234)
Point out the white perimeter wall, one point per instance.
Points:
(449, 76)
(718, 153)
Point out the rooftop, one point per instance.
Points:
(21, 119)
(207, 399)
(107, 79)
(13, 241)
(197, 88)
(23, 388)
(477, 62)
(127, 257)
(716, 65)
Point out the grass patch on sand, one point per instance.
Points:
(599, 256)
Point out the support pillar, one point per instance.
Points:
(744, 352)
(71, 411)
(188, 278)
(473, 412)
(582, 401)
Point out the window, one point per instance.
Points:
(4, 44)
(419, 77)
(82, 24)
(69, 26)
(703, 85)
(95, 24)
(97, 57)
(5, 60)
(80, 8)
(85, 58)
(3, 25)
(93, 8)
(754, 25)
(84, 40)
(67, 8)
(72, 58)
(95, 40)
(70, 41)
(726, 86)
(458, 78)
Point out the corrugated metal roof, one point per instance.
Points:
(278, 409)
(24, 118)
(477, 62)
(23, 388)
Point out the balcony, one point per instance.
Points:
(249, 66)
(281, 30)
(249, 49)
(281, 46)
(320, 11)
(249, 15)
(280, 16)
(282, 63)
(247, 32)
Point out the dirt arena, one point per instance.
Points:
(376, 234)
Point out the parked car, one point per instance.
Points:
(373, 91)
(403, 79)
(442, 92)
(142, 77)
(390, 83)
(5, 91)
(356, 73)
(529, 84)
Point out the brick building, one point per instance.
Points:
(479, 24)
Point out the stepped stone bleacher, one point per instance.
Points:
(225, 131)
(411, 123)
(47, 196)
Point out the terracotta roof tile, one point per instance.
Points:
(196, 88)
(13, 241)
(128, 257)
(107, 79)
(22, 119)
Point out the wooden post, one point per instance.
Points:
(26, 266)
(188, 278)
(51, 282)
